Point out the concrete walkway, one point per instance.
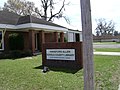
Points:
(107, 53)
(119, 87)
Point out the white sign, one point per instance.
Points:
(60, 54)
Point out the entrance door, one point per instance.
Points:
(77, 36)
(37, 44)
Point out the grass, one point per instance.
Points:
(107, 49)
(26, 74)
(107, 71)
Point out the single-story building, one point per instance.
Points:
(34, 30)
(106, 38)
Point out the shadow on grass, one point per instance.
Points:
(65, 70)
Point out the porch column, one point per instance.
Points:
(42, 39)
(56, 36)
(62, 37)
(32, 40)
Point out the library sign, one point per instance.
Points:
(60, 54)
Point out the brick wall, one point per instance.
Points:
(6, 40)
(78, 63)
(49, 37)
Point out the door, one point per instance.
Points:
(77, 37)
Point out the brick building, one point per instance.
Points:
(106, 38)
(34, 30)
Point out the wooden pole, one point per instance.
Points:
(88, 65)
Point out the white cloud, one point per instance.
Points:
(108, 9)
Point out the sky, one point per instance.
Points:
(108, 9)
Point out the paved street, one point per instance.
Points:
(108, 53)
(106, 45)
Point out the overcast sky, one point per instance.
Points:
(108, 9)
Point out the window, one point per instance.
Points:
(1, 40)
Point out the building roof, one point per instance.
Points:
(28, 21)
(8, 18)
(75, 31)
(32, 19)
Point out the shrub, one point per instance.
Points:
(16, 41)
(26, 53)
(15, 54)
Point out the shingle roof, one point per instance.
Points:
(14, 19)
(32, 19)
(8, 17)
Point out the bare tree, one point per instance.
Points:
(105, 27)
(47, 10)
(20, 7)
(116, 33)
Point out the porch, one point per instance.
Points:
(33, 39)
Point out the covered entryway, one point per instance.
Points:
(36, 39)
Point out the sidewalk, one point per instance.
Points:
(107, 53)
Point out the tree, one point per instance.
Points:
(47, 11)
(116, 33)
(20, 7)
(105, 27)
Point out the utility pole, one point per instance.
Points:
(87, 36)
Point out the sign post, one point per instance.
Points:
(88, 65)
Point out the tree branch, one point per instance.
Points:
(58, 11)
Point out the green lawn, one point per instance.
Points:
(107, 49)
(25, 74)
(107, 71)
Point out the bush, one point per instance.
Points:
(16, 41)
(27, 53)
(4, 55)
(15, 54)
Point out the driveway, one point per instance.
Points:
(106, 45)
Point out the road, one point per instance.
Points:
(106, 45)
(108, 53)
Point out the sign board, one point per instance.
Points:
(60, 54)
